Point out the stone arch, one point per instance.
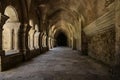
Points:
(65, 33)
(11, 27)
(11, 12)
(61, 39)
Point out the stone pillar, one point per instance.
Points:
(3, 19)
(47, 45)
(40, 42)
(23, 36)
(17, 27)
(50, 43)
(36, 39)
(32, 35)
(11, 40)
(43, 39)
(16, 41)
(71, 42)
(74, 44)
(84, 44)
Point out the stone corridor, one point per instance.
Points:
(59, 63)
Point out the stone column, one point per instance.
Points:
(84, 44)
(23, 36)
(11, 40)
(47, 40)
(40, 42)
(49, 43)
(16, 41)
(31, 33)
(3, 19)
(17, 27)
(37, 41)
(51, 40)
(74, 43)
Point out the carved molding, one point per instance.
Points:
(101, 25)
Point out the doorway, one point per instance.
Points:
(61, 39)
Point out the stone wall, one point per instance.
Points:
(102, 46)
(117, 23)
(101, 38)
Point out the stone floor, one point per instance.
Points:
(58, 64)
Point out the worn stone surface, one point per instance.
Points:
(102, 47)
(58, 64)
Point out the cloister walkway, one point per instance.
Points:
(60, 63)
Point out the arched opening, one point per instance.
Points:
(11, 28)
(61, 39)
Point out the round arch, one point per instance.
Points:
(11, 12)
(11, 27)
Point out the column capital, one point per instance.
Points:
(25, 27)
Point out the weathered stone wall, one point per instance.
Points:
(102, 46)
(101, 38)
(117, 17)
(116, 67)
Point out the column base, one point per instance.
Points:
(2, 53)
(74, 48)
(25, 53)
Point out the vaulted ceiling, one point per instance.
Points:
(68, 12)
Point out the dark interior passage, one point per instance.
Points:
(61, 39)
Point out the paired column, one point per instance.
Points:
(3, 19)
(23, 36)
(74, 43)
(32, 35)
(13, 34)
(17, 27)
(36, 40)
